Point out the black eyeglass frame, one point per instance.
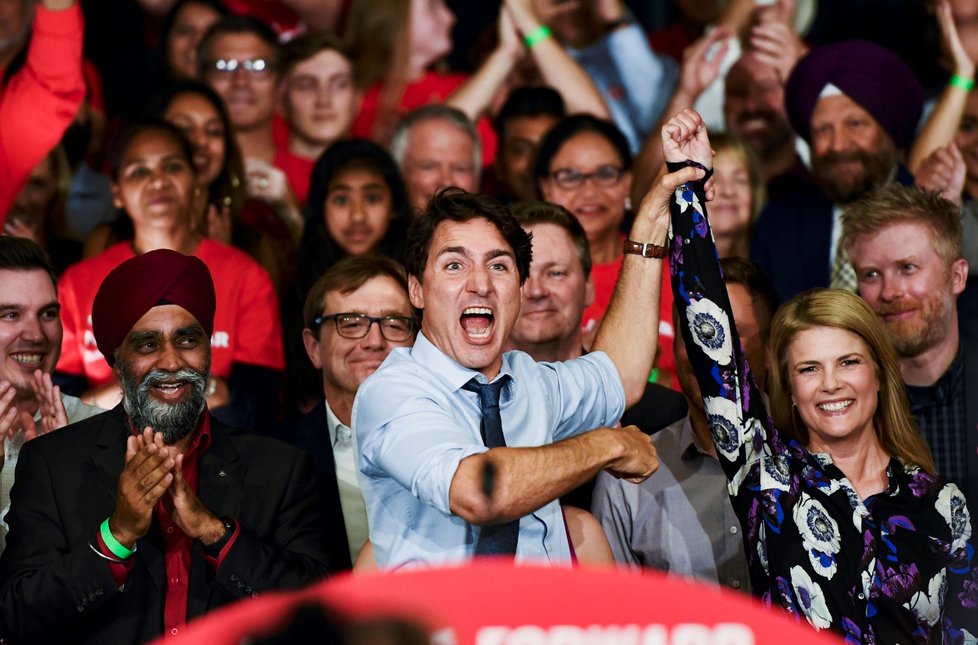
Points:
(318, 321)
(578, 178)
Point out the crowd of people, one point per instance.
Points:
(283, 295)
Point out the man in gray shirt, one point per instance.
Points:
(680, 520)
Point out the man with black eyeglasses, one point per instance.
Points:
(241, 59)
(355, 314)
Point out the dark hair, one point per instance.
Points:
(317, 250)
(570, 127)
(228, 187)
(763, 297)
(125, 137)
(529, 101)
(529, 213)
(457, 205)
(166, 26)
(306, 46)
(239, 25)
(22, 254)
(346, 276)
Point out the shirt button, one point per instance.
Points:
(170, 530)
(861, 596)
(173, 632)
(735, 584)
(733, 530)
(174, 581)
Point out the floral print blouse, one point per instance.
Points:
(897, 567)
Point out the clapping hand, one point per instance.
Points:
(943, 171)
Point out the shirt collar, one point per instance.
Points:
(450, 371)
(943, 390)
(338, 433)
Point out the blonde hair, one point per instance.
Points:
(727, 142)
(894, 424)
(896, 204)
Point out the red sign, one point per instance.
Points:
(496, 603)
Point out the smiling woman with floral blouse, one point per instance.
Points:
(844, 520)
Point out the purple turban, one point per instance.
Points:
(143, 282)
(871, 75)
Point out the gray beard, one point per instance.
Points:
(174, 420)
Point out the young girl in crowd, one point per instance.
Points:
(357, 206)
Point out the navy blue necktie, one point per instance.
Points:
(498, 539)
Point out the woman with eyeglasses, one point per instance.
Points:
(584, 164)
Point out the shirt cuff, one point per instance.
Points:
(118, 569)
(215, 553)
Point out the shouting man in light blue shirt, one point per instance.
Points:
(432, 486)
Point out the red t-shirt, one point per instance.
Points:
(247, 328)
(297, 170)
(604, 277)
(430, 88)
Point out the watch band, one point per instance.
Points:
(646, 250)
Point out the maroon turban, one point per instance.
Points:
(871, 75)
(161, 277)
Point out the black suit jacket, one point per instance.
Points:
(55, 588)
(792, 240)
(310, 433)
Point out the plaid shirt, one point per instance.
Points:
(940, 413)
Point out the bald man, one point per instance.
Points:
(125, 526)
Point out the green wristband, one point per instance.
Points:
(116, 547)
(966, 84)
(540, 33)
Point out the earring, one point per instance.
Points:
(628, 203)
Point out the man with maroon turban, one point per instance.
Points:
(127, 525)
(857, 105)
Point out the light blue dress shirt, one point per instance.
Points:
(414, 424)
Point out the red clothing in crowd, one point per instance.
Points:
(604, 277)
(247, 328)
(297, 170)
(430, 88)
(41, 99)
(272, 12)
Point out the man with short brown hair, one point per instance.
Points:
(905, 246)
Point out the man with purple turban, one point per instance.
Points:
(125, 526)
(857, 105)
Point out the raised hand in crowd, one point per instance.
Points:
(523, 31)
(942, 124)
(773, 38)
(943, 171)
(701, 66)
